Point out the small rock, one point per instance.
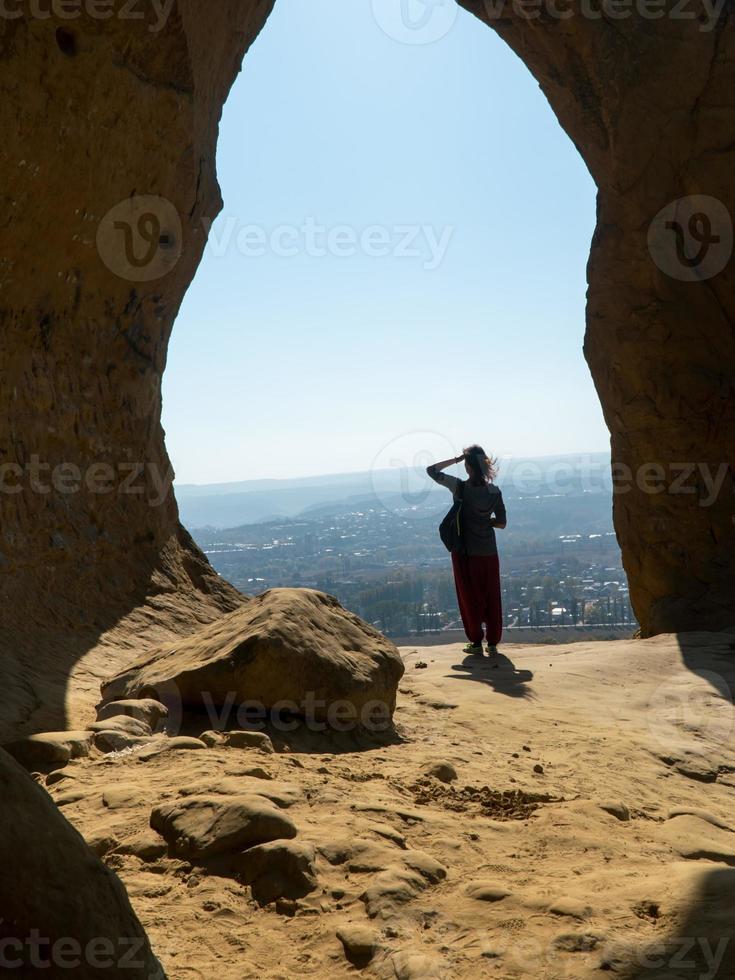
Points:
(492, 952)
(443, 771)
(571, 907)
(102, 844)
(359, 942)
(239, 739)
(121, 797)
(147, 847)
(526, 748)
(279, 869)
(336, 852)
(146, 710)
(387, 832)
(69, 796)
(487, 891)
(58, 775)
(437, 704)
(213, 739)
(121, 723)
(420, 665)
(698, 769)
(365, 857)
(249, 740)
(256, 772)
(647, 910)
(538, 768)
(391, 888)
(50, 748)
(577, 942)
(425, 864)
(616, 809)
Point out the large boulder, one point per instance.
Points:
(291, 648)
(64, 895)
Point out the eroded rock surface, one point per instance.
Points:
(97, 112)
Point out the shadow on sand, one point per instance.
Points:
(701, 947)
(498, 672)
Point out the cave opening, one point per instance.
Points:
(384, 220)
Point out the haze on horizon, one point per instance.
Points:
(314, 361)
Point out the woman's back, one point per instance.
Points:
(481, 504)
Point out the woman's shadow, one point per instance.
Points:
(498, 672)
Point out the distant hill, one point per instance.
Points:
(228, 505)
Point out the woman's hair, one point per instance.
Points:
(483, 468)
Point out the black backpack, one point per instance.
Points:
(451, 529)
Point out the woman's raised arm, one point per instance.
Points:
(435, 469)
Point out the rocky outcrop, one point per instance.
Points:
(648, 102)
(71, 914)
(108, 179)
(290, 650)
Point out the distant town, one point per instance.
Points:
(560, 562)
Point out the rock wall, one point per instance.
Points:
(109, 137)
(648, 102)
(71, 915)
(96, 112)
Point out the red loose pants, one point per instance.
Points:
(477, 580)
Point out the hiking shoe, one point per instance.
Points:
(475, 648)
(492, 650)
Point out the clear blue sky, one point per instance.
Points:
(290, 365)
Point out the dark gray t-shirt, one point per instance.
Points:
(480, 506)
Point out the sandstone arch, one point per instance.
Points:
(96, 112)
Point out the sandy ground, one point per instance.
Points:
(625, 864)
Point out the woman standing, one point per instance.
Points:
(477, 569)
